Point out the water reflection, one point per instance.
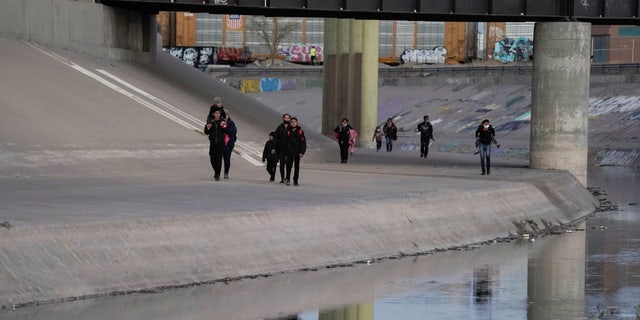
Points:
(555, 277)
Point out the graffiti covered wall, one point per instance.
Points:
(203, 56)
(434, 56)
(510, 50)
(301, 53)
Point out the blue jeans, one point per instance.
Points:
(389, 143)
(485, 157)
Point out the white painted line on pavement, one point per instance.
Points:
(247, 150)
(152, 97)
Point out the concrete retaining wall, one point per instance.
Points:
(49, 263)
(81, 26)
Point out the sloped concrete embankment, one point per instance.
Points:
(51, 263)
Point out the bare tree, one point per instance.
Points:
(271, 31)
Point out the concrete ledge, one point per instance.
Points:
(49, 263)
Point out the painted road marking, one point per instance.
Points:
(246, 149)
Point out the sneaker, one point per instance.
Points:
(287, 182)
(226, 176)
(281, 180)
(216, 178)
(295, 183)
(482, 174)
(272, 179)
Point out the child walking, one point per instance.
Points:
(377, 137)
(270, 154)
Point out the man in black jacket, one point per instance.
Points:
(281, 141)
(296, 147)
(426, 134)
(216, 128)
(484, 136)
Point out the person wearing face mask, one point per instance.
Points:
(342, 134)
(281, 143)
(485, 135)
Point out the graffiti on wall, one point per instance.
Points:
(272, 84)
(510, 50)
(193, 56)
(301, 53)
(434, 56)
(203, 56)
(250, 85)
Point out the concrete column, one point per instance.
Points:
(369, 91)
(342, 71)
(365, 311)
(329, 101)
(351, 312)
(560, 97)
(355, 73)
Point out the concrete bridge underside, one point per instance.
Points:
(593, 11)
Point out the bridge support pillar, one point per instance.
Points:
(560, 97)
(329, 102)
(355, 73)
(369, 84)
(350, 76)
(343, 68)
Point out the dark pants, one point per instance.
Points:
(283, 163)
(271, 168)
(228, 150)
(424, 147)
(378, 145)
(215, 155)
(293, 161)
(344, 150)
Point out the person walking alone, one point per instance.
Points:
(484, 136)
(342, 134)
(390, 134)
(426, 135)
(312, 55)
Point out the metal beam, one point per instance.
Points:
(594, 11)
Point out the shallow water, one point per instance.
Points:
(573, 275)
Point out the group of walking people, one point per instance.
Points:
(485, 136)
(286, 145)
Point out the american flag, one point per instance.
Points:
(234, 21)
